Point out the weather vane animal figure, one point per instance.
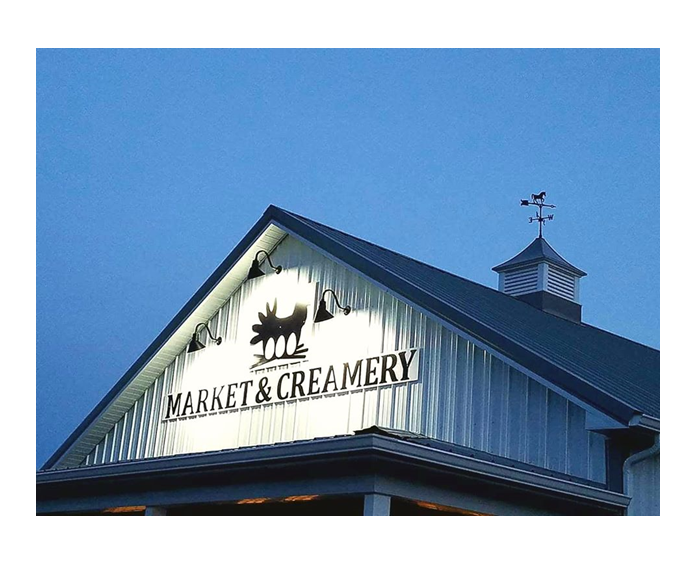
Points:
(538, 200)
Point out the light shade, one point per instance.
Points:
(255, 270)
(322, 313)
(195, 344)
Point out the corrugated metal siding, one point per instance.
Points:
(464, 394)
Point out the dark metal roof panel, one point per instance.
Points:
(618, 368)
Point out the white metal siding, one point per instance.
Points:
(464, 395)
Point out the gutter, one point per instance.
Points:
(646, 422)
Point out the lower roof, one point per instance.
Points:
(191, 477)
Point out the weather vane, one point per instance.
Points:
(538, 200)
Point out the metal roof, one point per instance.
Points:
(537, 251)
(617, 376)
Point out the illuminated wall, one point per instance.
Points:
(462, 395)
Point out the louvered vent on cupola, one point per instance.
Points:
(562, 283)
(521, 281)
(544, 279)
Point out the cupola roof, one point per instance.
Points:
(537, 251)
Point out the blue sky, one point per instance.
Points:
(153, 164)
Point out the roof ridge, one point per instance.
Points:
(405, 256)
(512, 299)
(577, 366)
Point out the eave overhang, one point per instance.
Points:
(170, 342)
(331, 466)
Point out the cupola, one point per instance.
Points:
(540, 276)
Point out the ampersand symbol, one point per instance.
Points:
(264, 393)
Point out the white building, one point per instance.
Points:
(432, 394)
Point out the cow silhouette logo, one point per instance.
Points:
(280, 336)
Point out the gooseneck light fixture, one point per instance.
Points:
(255, 270)
(195, 344)
(323, 313)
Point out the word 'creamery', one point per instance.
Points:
(279, 386)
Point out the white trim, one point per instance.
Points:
(543, 283)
